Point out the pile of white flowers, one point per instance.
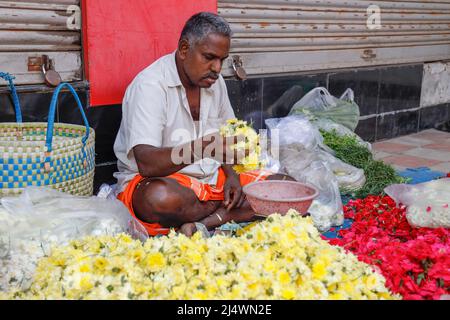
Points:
(32, 224)
(19, 254)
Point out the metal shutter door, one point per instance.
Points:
(32, 28)
(275, 36)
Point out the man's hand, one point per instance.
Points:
(234, 197)
(219, 148)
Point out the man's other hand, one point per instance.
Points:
(234, 196)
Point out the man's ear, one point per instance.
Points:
(183, 48)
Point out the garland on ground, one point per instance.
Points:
(414, 261)
(280, 258)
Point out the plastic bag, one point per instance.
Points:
(320, 104)
(427, 203)
(42, 217)
(305, 166)
(296, 129)
(107, 191)
(348, 177)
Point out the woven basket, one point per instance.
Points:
(58, 155)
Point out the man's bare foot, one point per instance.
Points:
(188, 229)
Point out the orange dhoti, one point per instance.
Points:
(204, 192)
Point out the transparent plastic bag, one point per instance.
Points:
(305, 166)
(42, 217)
(348, 177)
(427, 203)
(319, 103)
(107, 191)
(296, 129)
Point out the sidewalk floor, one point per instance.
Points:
(428, 148)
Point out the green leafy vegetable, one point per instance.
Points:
(379, 175)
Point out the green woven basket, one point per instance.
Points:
(57, 155)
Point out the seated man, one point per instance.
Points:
(181, 94)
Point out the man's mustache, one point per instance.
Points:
(214, 76)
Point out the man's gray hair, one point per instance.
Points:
(202, 24)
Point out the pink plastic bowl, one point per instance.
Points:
(275, 196)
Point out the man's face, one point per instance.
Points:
(202, 63)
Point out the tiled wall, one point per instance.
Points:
(389, 101)
(388, 97)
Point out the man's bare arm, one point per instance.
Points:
(157, 162)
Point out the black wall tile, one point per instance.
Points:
(7, 113)
(433, 117)
(403, 123)
(68, 110)
(281, 93)
(105, 120)
(366, 129)
(400, 88)
(35, 106)
(246, 100)
(104, 174)
(365, 85)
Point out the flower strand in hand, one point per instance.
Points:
(250, 143)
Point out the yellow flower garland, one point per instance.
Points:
(280, 258)
(235, 127)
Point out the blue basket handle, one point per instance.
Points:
(51, 121)
(6, 76)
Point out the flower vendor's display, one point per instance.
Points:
(282, 257)
(414, 261)
(235, 127)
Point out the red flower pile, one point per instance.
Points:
(414, 261)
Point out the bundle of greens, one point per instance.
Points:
(379, 175)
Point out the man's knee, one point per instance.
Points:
(158, 201)
(161, 198)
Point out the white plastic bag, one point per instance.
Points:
(427, 203)
(107, 191)
(305, 166)
(319, 103)
(41, 217)
(296, 129)
(348, 177)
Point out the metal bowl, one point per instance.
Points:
(278, 196)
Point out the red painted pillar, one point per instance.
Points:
(122, 37)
